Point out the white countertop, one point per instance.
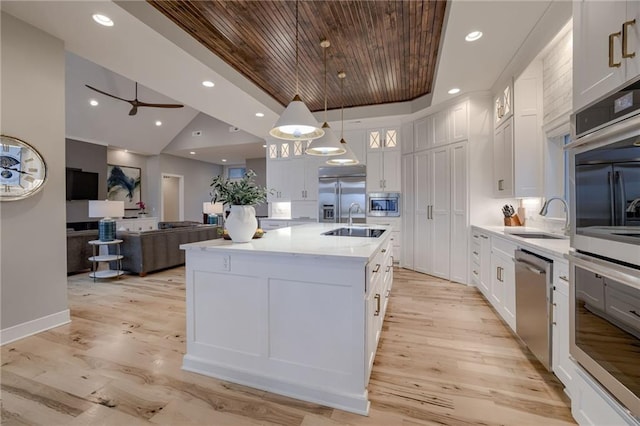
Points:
(552, 247)
(303, 240)
(293, 219)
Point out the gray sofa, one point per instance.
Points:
(78, 250)
(149, 251)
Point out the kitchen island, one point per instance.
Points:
(296, 312)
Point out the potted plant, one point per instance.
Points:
(241, 195)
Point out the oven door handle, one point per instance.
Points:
(612, 199)
(623, 198)
(622, 274)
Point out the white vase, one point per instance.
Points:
(241, 223)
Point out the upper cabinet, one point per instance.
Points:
(383, 160)
(517, 143)
(443, 127)
(606, 39)
(503, 105)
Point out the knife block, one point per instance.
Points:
(512, 221)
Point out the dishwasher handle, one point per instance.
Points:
(531, 268)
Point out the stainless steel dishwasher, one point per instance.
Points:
(534, 313)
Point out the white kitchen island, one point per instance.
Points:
(295, 313)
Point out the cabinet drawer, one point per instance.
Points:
(504, 247)
(475, 251)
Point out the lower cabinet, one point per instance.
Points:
(562, 365)
(481, 262)
(396, 228)
(503, 280)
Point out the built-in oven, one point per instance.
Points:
(383, 204)
(604, 167)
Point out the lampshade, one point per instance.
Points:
(296, 123)
(106, 208)
(326, 145)
(346, 159)
(212, 208)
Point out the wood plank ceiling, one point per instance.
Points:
(388, 49)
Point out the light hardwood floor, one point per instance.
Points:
(444, 358)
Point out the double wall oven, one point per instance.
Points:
(604, 159)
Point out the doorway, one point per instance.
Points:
(172, 199)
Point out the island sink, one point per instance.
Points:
(355, 232)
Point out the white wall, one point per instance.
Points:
(557, 77)
(33, 239)
(197, 177)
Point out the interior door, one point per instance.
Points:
(422, 221)
(440, 184)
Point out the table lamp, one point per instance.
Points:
(107, 210)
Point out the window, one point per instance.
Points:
(236, 172)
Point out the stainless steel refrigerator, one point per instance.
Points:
(338, 188)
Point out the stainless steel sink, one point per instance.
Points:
(355, 232)
(538, 236)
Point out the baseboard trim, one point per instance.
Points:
(35, 326)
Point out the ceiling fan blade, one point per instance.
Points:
(134, 110)
(145, 104)
(108, 94)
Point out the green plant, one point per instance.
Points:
(243, 192)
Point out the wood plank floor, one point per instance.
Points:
(444, 358)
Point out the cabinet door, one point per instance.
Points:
(391, 139)
(375, 140)
(407, 138)
(297, 179)
(458, 122)
(459, 212)
(439, 187)
(421, 130)
(563, 367)
(391, 171)
(509, 279)
(440, 128)
(311, 165)
(375, 175)
(594, 23)
(485, 264)
(408, 200)
(497, 282)
(274, 179)
(503, 159)
(422, 221)
(633, 40)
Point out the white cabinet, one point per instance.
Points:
(503, 280)
(407, 132)
(383, 160)
(139, 224)
(304, 178)
(408, 199)
(605, 47)
(503, 105)
(592, 405)
(395, 223)
(278, 150)
(443, 127)
(561, 362)
(279, 180)
(517, 149)
(481, 261)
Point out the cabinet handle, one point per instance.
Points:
(485, 237)
(377, 268)
(475, 272)
(564, 278)
(388, 267)
(635, 313)
(475, 252)
(383, 250)
(612, 36)
(377, 312)
(625, 26)
(501, 185)
(475, 236)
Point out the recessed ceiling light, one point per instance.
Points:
(224, 160)
(103, 20)
(208, 83)
(126, 150)
(259, 114)
(93, 102)
(264, 146)
(158, 123)
(192, 153)
(454, 91)
(473, 35)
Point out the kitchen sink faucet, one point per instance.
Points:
(545, 207)
(358, 210)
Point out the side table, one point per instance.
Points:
(97, 258)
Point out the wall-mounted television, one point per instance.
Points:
(82, 185)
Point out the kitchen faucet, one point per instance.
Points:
(545, 207)
(358, 209)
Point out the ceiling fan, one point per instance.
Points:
(135, 103)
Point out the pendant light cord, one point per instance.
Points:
(325, 83)
(341, 106)
(297, 85)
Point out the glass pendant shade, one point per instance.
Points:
(296, 123)
(328, 144)
(346, 159)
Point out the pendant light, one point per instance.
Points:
(328, 144)
(349, 157)
(296, 122)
